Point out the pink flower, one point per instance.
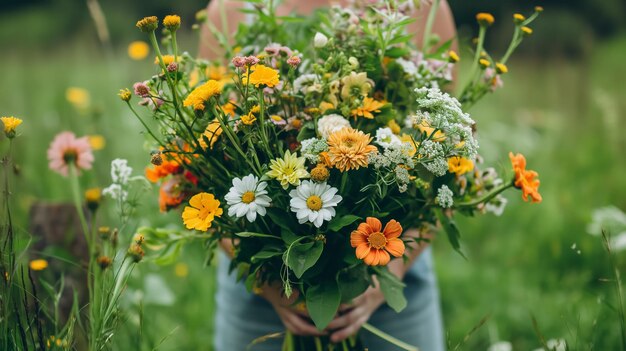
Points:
(252, 60)
(141, 89)
(272, 49)
(294, 61)
(67, 150)
(493, 79)
(239, 61)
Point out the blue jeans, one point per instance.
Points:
(242, 317)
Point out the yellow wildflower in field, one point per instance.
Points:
(408, 139)
(527, 31)
(424, 127)
(288, 170)
(212, 133)
(460, 165)
(485, 19)
(394, 126)
(349, 149)
(453, 56)
(484, 63)
(228, 108)
(248, 119)
(262, 75)
(125, 94)
(202, 210)
(171, 22)
(324, 106)
(518, 18)
(148, 24)
(202, 94)
(78, 97)
(10, 123)
(93, 196)
(96, 141)
(501, 68)
(38, 264)
(369, 105)
(167, 59)
(138, 50)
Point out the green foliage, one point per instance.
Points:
(322, 302)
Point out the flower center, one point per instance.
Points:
(314, 202)
(70, 156)
(248, 197)
(377, 240)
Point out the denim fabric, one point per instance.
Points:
(241, 316)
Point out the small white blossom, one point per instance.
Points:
(501, 346)
(120, 171)
(330, 124)
(445, 197)
(314, 202)
(320, 40)
(386, 138)
(407, 66)
(557, 345)
(247, 197)
(116, 192)
(305, 83)
(496, 205)
(311, 148)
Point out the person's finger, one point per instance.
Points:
(345, 319)
(304, 327)
(346, 306)
(346, 332)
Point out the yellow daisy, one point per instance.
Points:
(288, 170)
(203, 209)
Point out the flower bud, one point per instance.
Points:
(320, 40)
(148, 24)
(453, 57)
(172, 22)
(485, 19)
(156, 158)
(135, 252)
(93, 197)
(124, 94)
(104, 262)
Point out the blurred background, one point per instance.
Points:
(563, 105)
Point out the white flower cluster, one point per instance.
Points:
(397, 159)
(445, 197)
(442, 111)
(436, 162)
(311, 148)
(120, 174)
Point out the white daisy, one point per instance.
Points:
(247, 197)
(314, 202)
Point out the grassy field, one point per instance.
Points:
(567, 117)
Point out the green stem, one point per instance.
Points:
(485, 198)
(429, 26)
(389, 338)
(517, 39)
(144, 124)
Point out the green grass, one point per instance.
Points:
(566, 117)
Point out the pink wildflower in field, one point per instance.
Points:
(493, 80)
(66, 150)
(141, 89)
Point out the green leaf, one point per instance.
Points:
(288, 236)
(256, 235)
(322, 302)
(454, 235)
(278, 217)
(264, 255)
(392, 288)
(400, 39)
(352, 282)
(300, 257)
(396, 52)
(338, 223)
(170, 254)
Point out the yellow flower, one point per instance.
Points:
(453, 56)
(485, 19)
(38, 265)
(518, 18)
(262, 75)
(320, 173)
(202, 94)
(288, 170)
(219, 73)
(324, 106)
(181, 270)
(248, 119)
(125, 94)
(527, 31)
(212, 133)
(538, 9)
(501, 68)
(356, 84)
(203, 209)
(424, 127)
(148, 24)
(349, 149)
(138, 50)
(10, 123)
(369, 105)
(460, 165)
(484, 63)
(78, 97)
(171, 22)
(394, 126)
(228, 108)
(93, 195)
(96, 141)
(167, 59)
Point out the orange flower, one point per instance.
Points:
(525, 179)
(170, 194)
(349, 149)
(166, 168)
(369, 105)
(374, 244)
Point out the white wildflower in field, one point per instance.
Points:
(445, 197)
(247, 197)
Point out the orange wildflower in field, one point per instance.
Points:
(163, 170)
(374, 244)
(349, 149)
(525, 179)
(203, 209)
(369, 105)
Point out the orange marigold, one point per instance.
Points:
(374, 244)
(525, 179)
(349, 149)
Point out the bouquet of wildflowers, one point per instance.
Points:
(312, 154)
